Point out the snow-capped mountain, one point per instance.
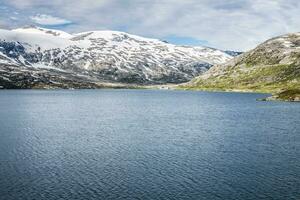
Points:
(106, 55)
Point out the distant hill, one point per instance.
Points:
(233, 53)
(273, 66)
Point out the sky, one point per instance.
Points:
(225, 24)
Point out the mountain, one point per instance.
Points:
(97, 57)
(273, 66)
(233, 53)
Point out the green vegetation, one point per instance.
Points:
(272, 67)
(267, 79)
(272, 78)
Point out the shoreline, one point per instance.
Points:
(273, 96)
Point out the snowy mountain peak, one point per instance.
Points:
(43, 31)
(108, 55)
(113, 36)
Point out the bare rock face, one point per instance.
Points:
(106, 56)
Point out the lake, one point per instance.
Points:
(147, 144)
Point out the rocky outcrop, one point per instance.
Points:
(286, 95)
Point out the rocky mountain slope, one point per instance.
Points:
(273, 66)
(97, 57)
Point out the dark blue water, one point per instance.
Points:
(144, 144)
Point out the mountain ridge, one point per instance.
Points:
(108, 56)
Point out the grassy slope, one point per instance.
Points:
(270, 78)
(271, 67)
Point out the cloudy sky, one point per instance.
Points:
(224, 24)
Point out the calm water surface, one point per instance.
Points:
(146, 144)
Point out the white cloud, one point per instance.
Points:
(230, 24)
(49, 20)
(13, 18)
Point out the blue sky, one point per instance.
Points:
(230, 24)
